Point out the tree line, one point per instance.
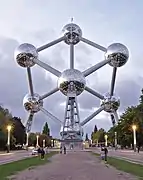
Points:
(18, 132)
(133, 115)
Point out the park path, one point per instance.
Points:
(73, 166)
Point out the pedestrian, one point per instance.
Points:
(64, 149)
(106, 152)
(102, 154)
(39, 151)
(42, 154)
(60, 149)
(138, 149)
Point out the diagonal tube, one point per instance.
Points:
(71, 56)
(47, 67)
(113, 81)
(91, 116)
(49, 93)
(95, 67)
(50, 44)
(30, 81)
(50, 115)
(94, 93)
(116, 116)
(97, 46)
(29, 122)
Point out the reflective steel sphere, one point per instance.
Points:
(71, 81)
(25, 54)
(118, 54)
(110, 104)
(72, 33)
(32, 103)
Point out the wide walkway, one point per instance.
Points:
(73, 166)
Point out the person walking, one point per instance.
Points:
(64, 149)
(60, 149)
(106, 152)
(42, 154)
(138, 149)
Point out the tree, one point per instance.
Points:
(93, 133)
(32, 139)
(99, 136)
(95, 129)
(46, 129)
(18, 130)
(46, 138)
(86, 137)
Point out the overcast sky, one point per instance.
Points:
(38, 22)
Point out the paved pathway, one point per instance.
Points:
(73, 166)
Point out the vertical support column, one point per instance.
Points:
(72, 99)
(71, 56)
(65, 117)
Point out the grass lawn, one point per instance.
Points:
(125, 166)
(13, 167)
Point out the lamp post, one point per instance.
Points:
(115, 140)
(8, 138)
(106, 142)
(27, 140)
(43, 143)
(134, 127)
(37, 144)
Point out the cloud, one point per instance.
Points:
(36, 22)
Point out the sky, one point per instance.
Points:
(39, 22)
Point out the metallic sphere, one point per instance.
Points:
(118, 54)
(32, 104)
(72, 33)
(25, 54)
(110, 104)
(71, 81)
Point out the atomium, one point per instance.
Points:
(72, 33)
(118, 54)
(71, 82)
(32, 103)
(110, 103)
(25, 54)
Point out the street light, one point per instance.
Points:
(43, 143)
(134, 127)
(8, 138)
(37, 144)
(115, 140)
(27, 140)
(106, 137)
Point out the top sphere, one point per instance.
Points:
(72, 33)
(118, 54)
(25, 54)
(71, 81)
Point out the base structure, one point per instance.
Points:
(71, 131)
